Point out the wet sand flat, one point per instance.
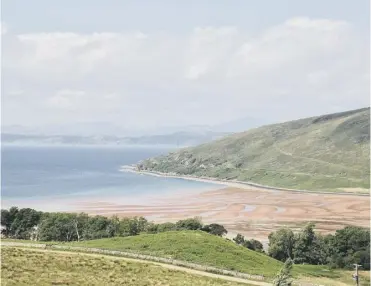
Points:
(254, 213)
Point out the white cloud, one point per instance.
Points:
(209, 75)
(67, 99)
(297, 44)
(208, 50)
(317, 77)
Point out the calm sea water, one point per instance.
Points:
(54, 177)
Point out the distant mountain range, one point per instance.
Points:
(180, 139)
(108, 129)
(104, 133)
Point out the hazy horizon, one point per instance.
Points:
(238, 125)
(133, 68)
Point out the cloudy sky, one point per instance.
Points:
(149, 64)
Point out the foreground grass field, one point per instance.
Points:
(31, 267)
(193, 246)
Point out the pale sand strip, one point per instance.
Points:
(240, 184)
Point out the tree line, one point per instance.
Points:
(27, 223)
(340, 250)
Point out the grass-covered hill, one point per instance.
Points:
(21, 266)
(328, 152)
(192, 246)
(204, 249)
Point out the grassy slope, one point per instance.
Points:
(319, 153)
(29, 267)
(192, 246)
(205, 249)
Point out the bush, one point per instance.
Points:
(215, 229)
(189, 224)
(167, 226)
(251, 244)
(254, 244)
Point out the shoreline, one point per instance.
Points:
(234, 183)
(254, 212)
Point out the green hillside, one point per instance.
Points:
(328, 152)
(209, 250)
(33, 267)
(192, 246)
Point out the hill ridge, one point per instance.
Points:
(327, 152)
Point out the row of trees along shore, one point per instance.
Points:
(339, 250)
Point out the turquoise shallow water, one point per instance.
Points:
(53, 177)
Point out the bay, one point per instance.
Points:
(56, 177)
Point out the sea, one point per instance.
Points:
(60, 178)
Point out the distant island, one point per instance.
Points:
(324, 153)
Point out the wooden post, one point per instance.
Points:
(356, 275)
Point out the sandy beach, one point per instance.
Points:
(240, 184)
(252, 211)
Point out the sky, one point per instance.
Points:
(147, 65)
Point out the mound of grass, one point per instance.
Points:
(30, 267)
(193, 246)
(328, 153)
(205, 249)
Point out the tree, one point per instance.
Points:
(306, 247)
(283, 277)
(254, 244)
(349, 245)
(189, 224)
(167, 226)
(251, 244)
(113, 226)
(142, 224)
(281, 244)
(152, 228)
(19, 223)
(362, 257)
(320, 250)
(98, 227)
(79, 222)
(215, 229)
(6, 222)
(239, 239)
(132, 226)
(57, 227)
